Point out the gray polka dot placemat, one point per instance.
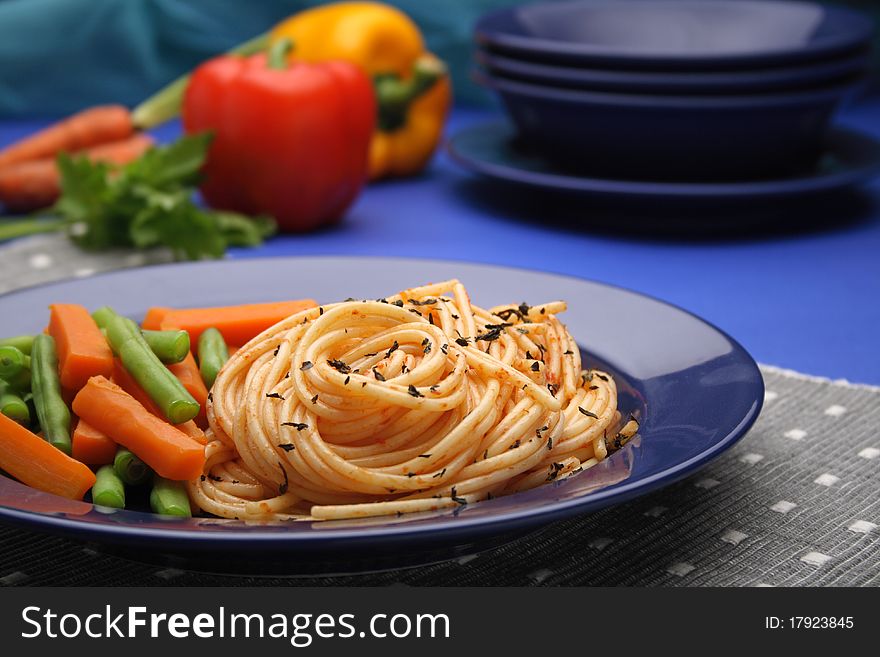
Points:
(795, 503)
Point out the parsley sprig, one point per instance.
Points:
(145, 204)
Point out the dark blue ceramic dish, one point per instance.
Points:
(668, 137)
(674, 34)
(492, 150)
(694, 388)
(778, 79)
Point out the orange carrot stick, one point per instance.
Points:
(124, 380)
(37, 183)
(36, 463)
(83, 351)
(92, 447)
(187, 372)
(238, 324)
(153, 318)
(162, 446)
(96, 125)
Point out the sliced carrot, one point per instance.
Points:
(83, 351)
(187, 372)
(96, 125)
(162, 446)
(237, 324)
(37, 183)
(126, 381)
(92, 447)
(153, 318)
(36, 463)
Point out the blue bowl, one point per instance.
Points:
(653, 137)
(675, 34)
(783, 78)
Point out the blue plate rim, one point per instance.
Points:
(806, 184)
(495, 525)
(822, 93)
(860, 35)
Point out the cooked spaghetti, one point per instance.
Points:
(417, 402)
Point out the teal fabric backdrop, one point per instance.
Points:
(57, 56)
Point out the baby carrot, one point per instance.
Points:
(237, 324)
(36, 463)
(187, 372)
(170, 452)
(96, 125)
(153, 318)
(83, 351)
(90, 446)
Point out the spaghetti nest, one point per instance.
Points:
(412, 403)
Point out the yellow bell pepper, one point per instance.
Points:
(413, 90)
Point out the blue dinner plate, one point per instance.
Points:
(694, 388)
(492, 150)
(674, 34)
(676, 82)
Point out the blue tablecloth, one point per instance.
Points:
(808, 300)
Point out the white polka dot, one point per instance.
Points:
(79, 229)
(796, 434)
(769, 396)
(815, 558)
(835, 410)
(733, 537)
(83, 272)
(751, 459)
(826, 479)
(870, 453)
(600, 543)
(707, 483)
(656, 511)
(40, 261)
(862, 527)
(540, 575)
(680, 568)
(135, 259)
(783, 506)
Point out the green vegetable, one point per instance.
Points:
(12, 361)
(52, 412)
(158, 382)
(169, 346)
(13, 406)
(130, 468)
(21, 342)
(108, 489)
(213, 353)
(169, 498)
(144, 204)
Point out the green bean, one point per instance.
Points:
(213, 354)
(103, 315)
(169, 498)
(12, 361)
(52, 412)
(108, 489)
(13, 406)
(161, 385)
(130, 468)
(21, 342)
(169, 346)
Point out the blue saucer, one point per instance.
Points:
(675, 34)
(695, 390)
(850, 158)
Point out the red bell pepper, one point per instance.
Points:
(289, 141)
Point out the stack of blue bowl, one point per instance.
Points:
(686, 90)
